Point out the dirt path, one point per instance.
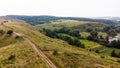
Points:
(39, 52)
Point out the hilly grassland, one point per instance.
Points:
(16, 52)
(59, 24)
(59, 52)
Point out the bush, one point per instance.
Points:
(102, 56)
(9, 32)
(82, 46)
(19, 38)
(118, 61)
(90, 38)
(9, 60)
(67, 53)
(55, 52)
(11, 57)
(1, 32)
(113, 53)
(97, 51)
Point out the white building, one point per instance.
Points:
(116, 38)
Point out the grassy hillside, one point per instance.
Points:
(66, 56)
(90, 26)
(59, 24)
(16, 52)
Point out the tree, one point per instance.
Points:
(50, 33)
(118, 44)
(69, 31)
(106, 29)
(115, 44)
(89, 30)
(93, 36)
(82, 46)
(90, 38)
(71, 41)
(112, 32)
(77, 42)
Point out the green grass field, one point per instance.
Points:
(105, 50)
(90, 44)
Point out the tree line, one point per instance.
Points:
(68, 35)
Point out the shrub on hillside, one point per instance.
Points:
(114, 54)
(118, 61)
(102, 56)
(97, 51)
(11, 57)
(9, 60)
(1, 32)
(19, 37)
(10, 32)
(55, 52)
(67, 54)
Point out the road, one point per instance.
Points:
(38, 51)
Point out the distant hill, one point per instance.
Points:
(59, 24)
(47, 19)
(90, 26)
(109, 18)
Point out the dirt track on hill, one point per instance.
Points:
(39, 52)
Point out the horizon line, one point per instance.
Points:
(59, 16)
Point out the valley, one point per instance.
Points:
(30, 45)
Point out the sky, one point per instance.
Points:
(72, 8)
